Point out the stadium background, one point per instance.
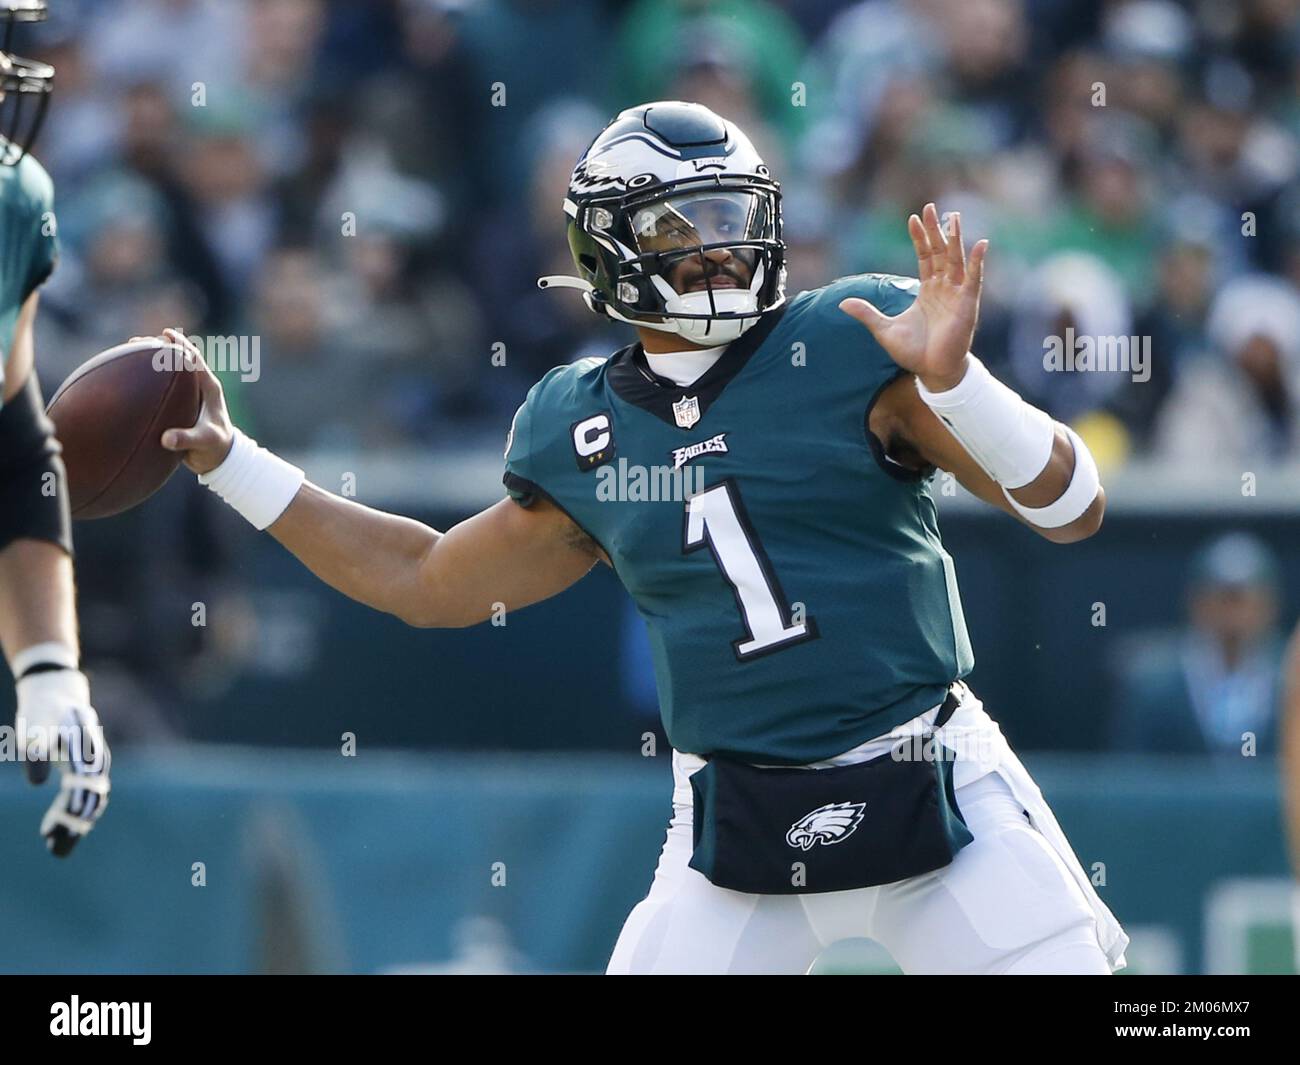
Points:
(370, 188)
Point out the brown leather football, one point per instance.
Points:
(110, 414)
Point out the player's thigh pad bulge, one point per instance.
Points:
(772, 831)
(1010, 884)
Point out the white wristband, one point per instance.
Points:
(57, 688)
(51, 653)
(1009, 438)
(1076, 498)
(258, 484)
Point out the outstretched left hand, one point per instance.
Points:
(932, 337)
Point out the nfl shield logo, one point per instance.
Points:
(686, 411)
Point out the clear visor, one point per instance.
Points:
(695, 219)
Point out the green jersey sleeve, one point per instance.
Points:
(42, 236)
(520, 476)
(29, 234)
(844, 345)
(29, 243)
(888, 293)
(555, 434)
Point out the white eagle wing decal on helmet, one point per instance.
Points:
(832, 823)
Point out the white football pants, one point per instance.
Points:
(1015, 900)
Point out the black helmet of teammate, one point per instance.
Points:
(25, 85)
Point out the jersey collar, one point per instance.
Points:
(630, 376)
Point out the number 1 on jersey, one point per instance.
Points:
(716, 517)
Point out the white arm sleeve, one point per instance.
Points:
(1076, 498)
(1009, 438)
(1012, 442)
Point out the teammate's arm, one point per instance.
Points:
(964, 420)
(506, 554)
(1291, 751)
(38, 623)
(36, 593)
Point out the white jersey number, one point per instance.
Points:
(716, 517)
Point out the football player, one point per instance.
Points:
(802, 611)
(1290, 737)
(56, 725)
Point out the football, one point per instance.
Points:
(109, 415)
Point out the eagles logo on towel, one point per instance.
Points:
(832, 823)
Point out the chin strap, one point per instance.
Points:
(587, 289)
(670, 325)
(565, 281)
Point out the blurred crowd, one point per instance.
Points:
(371, 188)
(1216, 685)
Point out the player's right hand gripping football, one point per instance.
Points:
(207, 442)
(58, 727)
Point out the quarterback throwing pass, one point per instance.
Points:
(835, 776)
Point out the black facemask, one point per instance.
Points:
(26, 85)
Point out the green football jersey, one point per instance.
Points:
(29, 243)
(798, 597)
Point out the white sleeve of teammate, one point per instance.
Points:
(1012, 442)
